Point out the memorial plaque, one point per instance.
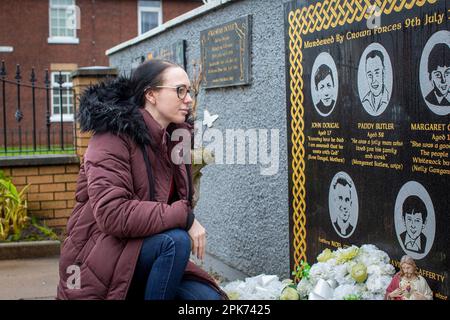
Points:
(225, 51)
(174, 53)
(368, 105)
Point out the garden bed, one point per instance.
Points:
(29, 249)
(34, 241)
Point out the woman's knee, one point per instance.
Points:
(180, 239)
(196, 290)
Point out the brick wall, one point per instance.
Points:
(173, 8)
(51, 195)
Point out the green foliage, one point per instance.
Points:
(40, 150)
(49, 233)
(302, 271)
(13, 208)
(34, 231)
(352, 297)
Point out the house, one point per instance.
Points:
(61, 36)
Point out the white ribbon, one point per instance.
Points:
(324, 290)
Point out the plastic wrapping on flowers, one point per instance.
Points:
(261, 287)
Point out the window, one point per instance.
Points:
(149, 15)
(63, 20)
(67, 98)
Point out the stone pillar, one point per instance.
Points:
(81, 79)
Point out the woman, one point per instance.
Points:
(407, 284)
(132, 229)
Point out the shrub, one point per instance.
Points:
(13, 208)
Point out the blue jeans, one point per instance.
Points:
(160, 268)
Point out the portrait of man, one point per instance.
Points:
(439, 75)
(343, 203)
(324, 82)
(414, 213)
(377, 98)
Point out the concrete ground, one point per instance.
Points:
(29, 279)
(36, 279)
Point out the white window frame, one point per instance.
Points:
(148, 9)
(55, 85)
(59, 39)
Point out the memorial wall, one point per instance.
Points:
(368, 102)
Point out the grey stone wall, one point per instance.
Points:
(246, 214)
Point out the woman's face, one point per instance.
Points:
(168, 106)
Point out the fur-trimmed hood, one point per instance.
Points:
(108, 107)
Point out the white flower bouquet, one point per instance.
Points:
(348, 274)
(352, 273)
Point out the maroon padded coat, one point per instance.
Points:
(113, 213)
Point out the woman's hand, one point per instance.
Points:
(198, 239)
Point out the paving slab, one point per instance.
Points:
(29, 278)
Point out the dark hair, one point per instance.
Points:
(413, 205)
(439, 57)
(148, 74)
(321, 73)
(375, 53)
(342, 182)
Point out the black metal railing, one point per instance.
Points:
(30, 104)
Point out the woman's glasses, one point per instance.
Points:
(182, 90)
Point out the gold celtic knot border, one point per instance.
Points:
(322, 15)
